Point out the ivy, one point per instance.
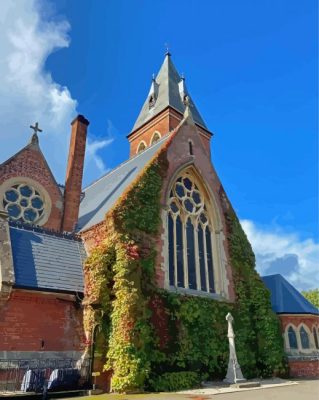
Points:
(156, 339)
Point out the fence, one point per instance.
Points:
(34, 375)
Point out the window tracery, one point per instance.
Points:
(25, 200)
(23, 203)
(190, 242)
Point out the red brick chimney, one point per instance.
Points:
(74, 173)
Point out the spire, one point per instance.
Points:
(167, 89)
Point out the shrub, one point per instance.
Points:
(174, 381)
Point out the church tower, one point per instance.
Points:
(163, 110)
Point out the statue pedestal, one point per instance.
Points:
(234, 374)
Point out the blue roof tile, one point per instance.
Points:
(285, 299)
(43, 260)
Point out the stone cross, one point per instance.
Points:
(234, 374)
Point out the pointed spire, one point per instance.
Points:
(169, 90)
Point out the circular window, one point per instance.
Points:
(24, 203)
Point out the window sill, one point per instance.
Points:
(198, 293)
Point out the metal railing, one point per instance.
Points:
(51, 374)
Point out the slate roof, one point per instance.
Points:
(285, 299)
(102, 194)
(45, 260)
(168, 85)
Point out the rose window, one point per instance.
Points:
(23, 203)
(190, 243)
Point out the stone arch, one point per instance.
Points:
(141, 147)
(315, 334)
(305, 337)
(155, 137)
(291, 337)
(214, 231)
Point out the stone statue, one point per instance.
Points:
(234, 374)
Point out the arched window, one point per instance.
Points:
(190, 241)
(315, 336)
(141, 147)
(292, 338)
(155, 138)
(304, 338)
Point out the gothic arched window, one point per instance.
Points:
(304, 338)
(141, 147)
(292, 338)
(190, 241)
(155, 138)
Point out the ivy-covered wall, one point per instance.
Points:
(158, 340)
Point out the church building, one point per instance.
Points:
(137, 271)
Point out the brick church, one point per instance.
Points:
(137, 271)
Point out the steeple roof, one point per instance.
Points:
(167, 89)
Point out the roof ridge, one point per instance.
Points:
(127, 161)
(46, 231)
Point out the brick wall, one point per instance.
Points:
(307, 319)
(304, 368)
(30, 317)
(163, 123)
(30, 163)
(302, 363)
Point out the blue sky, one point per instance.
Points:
(251, 68)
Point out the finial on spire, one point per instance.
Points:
(183, 76)
(167, 53)
(153, 77)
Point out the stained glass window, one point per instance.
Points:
(171, 246)
(23, 203)
(191, 255)
(179, 252)
(189, 237)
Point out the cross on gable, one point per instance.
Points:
(36, 128)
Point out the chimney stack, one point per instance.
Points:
(74, 173)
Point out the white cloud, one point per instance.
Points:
(284, 253)
(29, 94)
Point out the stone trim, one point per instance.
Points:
(7, 278)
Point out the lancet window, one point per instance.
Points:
(141, 147)
(292, 338)
(304, 338)
(315, 336)
(190, 237)
(155, 138)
